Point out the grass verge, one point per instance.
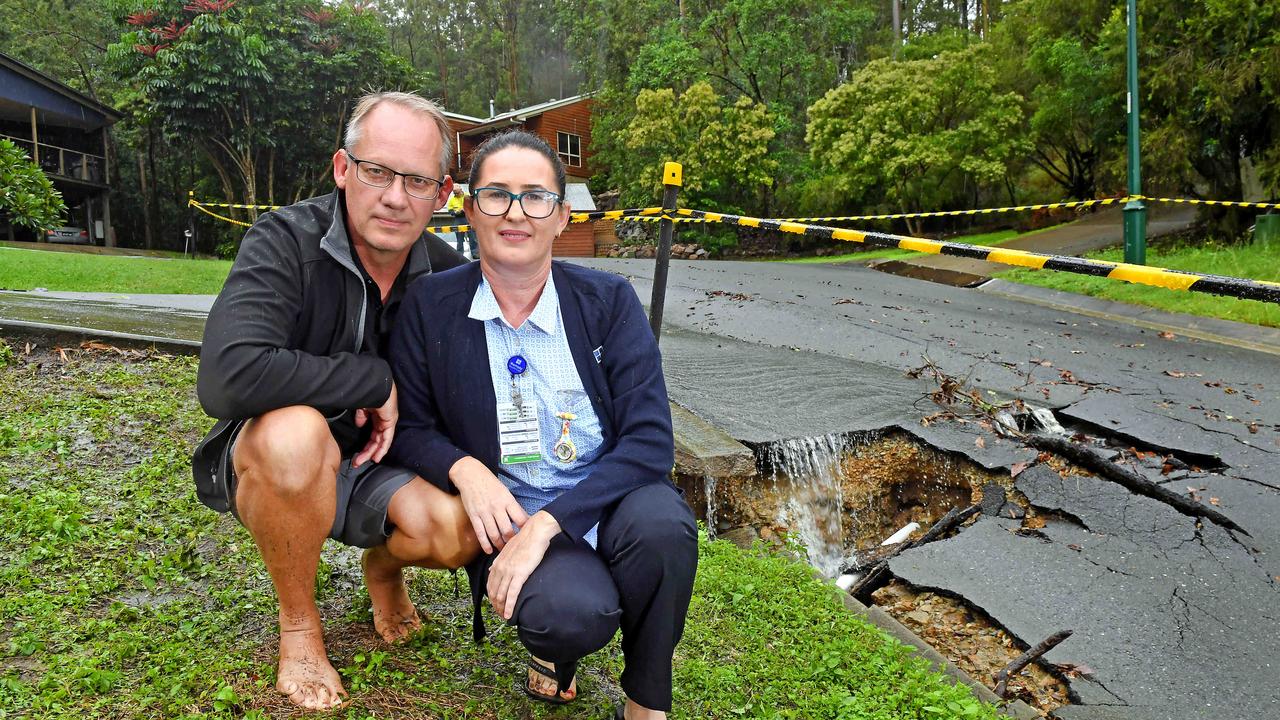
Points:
(1244, 261)
(25, 269)
(122, 597)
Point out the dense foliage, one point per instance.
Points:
(243, 99)
(27, 198)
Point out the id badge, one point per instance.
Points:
(518, 435)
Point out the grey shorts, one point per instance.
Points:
(364, 494)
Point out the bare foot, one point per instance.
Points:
(305, 674)
(546, 686)
(394, 616)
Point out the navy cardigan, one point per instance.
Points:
(440, 362)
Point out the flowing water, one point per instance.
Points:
(709, 486)
(813, 509)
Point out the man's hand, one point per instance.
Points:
(384, 429)
(490, 506)
(518, 560)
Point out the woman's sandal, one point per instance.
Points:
(546, 672)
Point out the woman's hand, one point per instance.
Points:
(518, 560)
(493, 511)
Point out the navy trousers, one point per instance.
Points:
(638, 579)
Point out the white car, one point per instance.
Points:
(67, 234)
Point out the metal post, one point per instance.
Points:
(672, 179)
(1135, 212)
(190, 234)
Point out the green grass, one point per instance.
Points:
(1245, 261)
(992, 238)
(23, 269)
(122, 597)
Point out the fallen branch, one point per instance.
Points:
(1090, 460)
(1025, 659)
(878, 576)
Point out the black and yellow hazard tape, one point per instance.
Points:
(952, 213)
(1221, 203)
(201, 207)
(1159, 277)
(235, 206)
(1042, 206)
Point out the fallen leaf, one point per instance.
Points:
(980, 442)
(1016, 469)
(1075, 547)
(1175, 373)
(1167, 335)
(1213, 501)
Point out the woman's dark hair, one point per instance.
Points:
(517, 139)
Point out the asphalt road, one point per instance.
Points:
(1172, 618)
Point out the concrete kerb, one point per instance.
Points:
(702, 449)
(72, 336)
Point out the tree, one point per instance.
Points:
(261, 88)
(723, 147)
(917, 135)
(1061, 58)
(1211, 72)
(27, 197)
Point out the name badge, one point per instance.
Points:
(519, 439)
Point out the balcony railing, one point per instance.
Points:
(65, 162)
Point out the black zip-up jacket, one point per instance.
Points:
(288, 329)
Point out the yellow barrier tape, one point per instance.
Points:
(1158, 277)
(1226, 203)
(1041, 206)
(206, 211)
(240, 207)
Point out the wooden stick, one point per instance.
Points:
(1025, 659)
(878, 576)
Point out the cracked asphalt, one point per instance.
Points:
(1172, 618)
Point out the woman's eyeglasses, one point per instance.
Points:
(535, 204)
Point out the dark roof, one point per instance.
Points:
(34, 88)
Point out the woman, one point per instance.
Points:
(534, 389)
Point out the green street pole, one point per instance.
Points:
(1135, 213)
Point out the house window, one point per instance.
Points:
(570, 148)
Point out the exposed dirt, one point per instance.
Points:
(971, 640)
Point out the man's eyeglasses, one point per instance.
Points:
(380, 176)
(535, 204)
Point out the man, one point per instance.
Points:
(455, 208)
(293, 367)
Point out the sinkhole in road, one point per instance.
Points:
(837, 497)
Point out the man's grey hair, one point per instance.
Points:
(410, 101)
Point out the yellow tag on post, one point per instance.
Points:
(672, 174)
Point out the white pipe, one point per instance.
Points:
(901, 535)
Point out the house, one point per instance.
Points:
(566, 126)
(65, 133)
